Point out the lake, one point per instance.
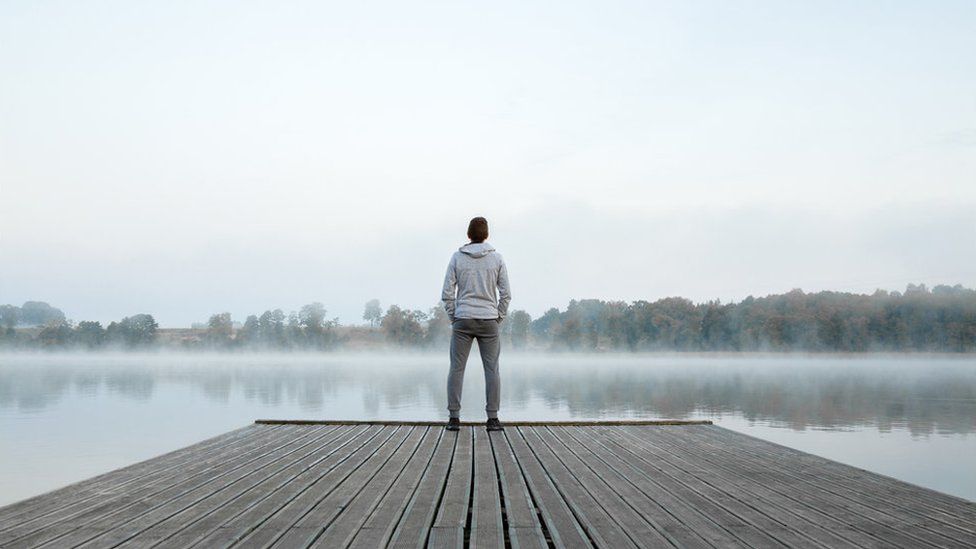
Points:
(64, 418)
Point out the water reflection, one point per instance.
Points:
(921, 395)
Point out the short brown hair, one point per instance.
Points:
(478, 229)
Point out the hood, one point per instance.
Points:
(477, 250)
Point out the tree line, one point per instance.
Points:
(941, 319)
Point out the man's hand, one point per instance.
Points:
(499, 320)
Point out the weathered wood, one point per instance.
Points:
(651, 513)
(380, 524)
(688, 489)
(662, 500)
(753, 481)
(534, 485)
(523, 526)
(340, 467)
(452, 514)
(816, 522)
(243, 522)
(560, 522)
(481, 423)
(230, 501)
(340, 533)
(38, 506)
(133, 523)
(68, 519)
(304, 532)
(949, 506)
(596, 522)
(134, 477)
(414, 527)
(774, 519)
(632, 523)
(877, 516)
(486, 515)
(948, 510)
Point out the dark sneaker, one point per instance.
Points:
(493, 424)
(454, 424)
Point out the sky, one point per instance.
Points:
(188, 158)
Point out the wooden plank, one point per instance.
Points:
(596, 522)
(452, 512)
(523, 526)
(562, 525)
(784, 532)
(242, 494)
(784, 512)
(234, 524)
(38, 506)
(481, 423)
(340, 466)
(952, 513)
(695, 477)
(341, 532)
(377, 485)
(651, 513)
(870, 514)
(71, 518)
(417, 518)
(486, 515)
(950, 506)
(819, 522)
(635, 526)
(738, 524)
(304, 532)
(120, 527)
(382, 522)
(682, 512)
(126, 478)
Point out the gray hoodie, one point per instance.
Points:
(474, 274)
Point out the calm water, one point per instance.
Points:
(66, 418)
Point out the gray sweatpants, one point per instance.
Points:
(464, 330)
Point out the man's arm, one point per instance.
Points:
(504, 291)
(448, 292)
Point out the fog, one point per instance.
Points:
(922, 394)
(907, 417)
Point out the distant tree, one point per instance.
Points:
(220, 330)
(9, 316)
(249, 334)
(373, 313)
(570, 329)
(403, 327)
(520, 322)
(294, 335)
(942, 318)
(89, 334)
(716, 328)
(438, 327)
(133, 331)
(318, 331)
(546, 326)
(56, 334)
(271, 326)
(38, 313)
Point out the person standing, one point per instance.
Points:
(476, 295)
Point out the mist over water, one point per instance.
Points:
(74, 416)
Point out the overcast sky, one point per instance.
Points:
(186, 158)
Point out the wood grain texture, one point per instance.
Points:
(534, 485)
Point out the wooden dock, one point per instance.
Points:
(388, 484)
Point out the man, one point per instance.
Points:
(476, 296)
